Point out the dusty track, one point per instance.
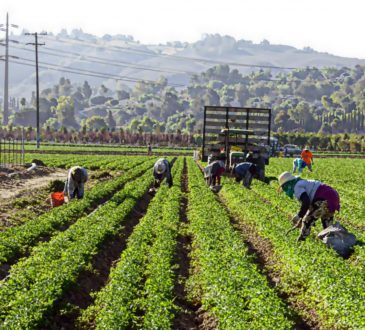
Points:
(24, 182)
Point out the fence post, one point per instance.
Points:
(23, 146)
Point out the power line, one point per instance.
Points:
(184, 58)
(6, 76)
(76, 71)
(100, 60)
(54, 67)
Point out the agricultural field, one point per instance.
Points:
(182, 258)
(111, 149)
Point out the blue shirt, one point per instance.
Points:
(300, 163)
(242, 168)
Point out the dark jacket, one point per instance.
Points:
(241, 169)
(165, 174)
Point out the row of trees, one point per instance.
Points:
(315, 141)
(105, 136)
(328, 100)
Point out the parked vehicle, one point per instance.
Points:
(291, 150)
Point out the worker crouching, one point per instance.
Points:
(162, 170)
(213, 173)
(299, 164)
(245, 172)
(317, 201)
(74, 185)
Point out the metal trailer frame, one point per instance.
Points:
(254, 125)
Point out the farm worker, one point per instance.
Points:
(260, 162)
(213, 172)
(299, 164)
(149, 149)
(307, 157)
(74, 185)
(162, 170)
(317, 201)
(245, 172)
(57, 196)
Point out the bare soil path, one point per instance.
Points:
(188, 316)
(18, 183)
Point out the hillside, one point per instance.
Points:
(122, 56)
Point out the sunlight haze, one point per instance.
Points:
(328, 26)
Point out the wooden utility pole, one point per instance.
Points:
(6, 79)
(36, 44)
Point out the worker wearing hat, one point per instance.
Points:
(74, 186)
(162, 170)
(213, 172)
(317, 201)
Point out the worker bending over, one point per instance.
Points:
(299, 164)
(162, 170)
(74, 185)
(213, 172)
(317, 201)
(245, 172)
(307, 157)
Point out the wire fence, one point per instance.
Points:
(11, 152)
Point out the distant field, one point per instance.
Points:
(94, 148)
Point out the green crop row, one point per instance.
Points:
(36, 283)
(106, 147)
(343, 177)
(91, 162)
(16, 240)
(233, 290)
(310, 273)
(159, 285)
(142, 281)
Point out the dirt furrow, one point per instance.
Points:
(263, 256)
(79, 297)
(187, 316)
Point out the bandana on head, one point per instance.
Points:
(288, 187)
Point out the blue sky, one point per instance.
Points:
(330, 26)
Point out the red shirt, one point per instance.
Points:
(307, 156)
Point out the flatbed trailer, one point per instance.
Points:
(242, 129)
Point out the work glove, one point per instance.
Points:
(295, 220)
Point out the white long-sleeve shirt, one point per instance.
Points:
(71, 185)
(308, 186)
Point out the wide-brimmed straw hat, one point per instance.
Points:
(285, 177)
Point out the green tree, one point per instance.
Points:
(66, 112)
(111, 121)
(94, 123)
(86, 90)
